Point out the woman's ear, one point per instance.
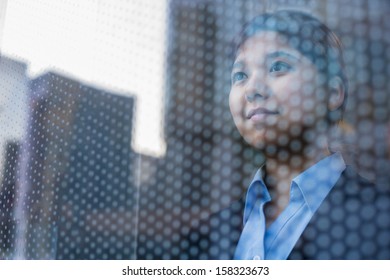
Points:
(337, 94)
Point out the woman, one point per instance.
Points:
(288, 93)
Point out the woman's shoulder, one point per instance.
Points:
(351, 223)
(352, 184)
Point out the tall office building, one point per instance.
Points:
(77, 195)
(7, 199)
(13, 117)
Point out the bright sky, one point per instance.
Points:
(116, 45)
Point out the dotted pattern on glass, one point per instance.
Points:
(134, 131)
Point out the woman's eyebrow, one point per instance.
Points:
(238, 64)
(282, 54)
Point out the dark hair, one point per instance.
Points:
(310, 37)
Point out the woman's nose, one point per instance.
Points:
(256, 90)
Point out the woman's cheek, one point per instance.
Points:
(235, 104)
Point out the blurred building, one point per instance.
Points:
(13, 102)
(77, 193)
(13, 116)
(7, 200)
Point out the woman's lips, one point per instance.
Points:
(260, 113)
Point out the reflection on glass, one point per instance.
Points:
(117, 139)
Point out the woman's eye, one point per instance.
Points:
(280, 67)
(238, 76)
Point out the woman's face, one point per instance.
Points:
(276, 93)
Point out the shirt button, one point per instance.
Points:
(256, 257)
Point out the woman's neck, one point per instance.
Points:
(280, 171)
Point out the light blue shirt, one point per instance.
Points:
(307, 192)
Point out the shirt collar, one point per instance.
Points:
(314, 184)
(257, 191)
